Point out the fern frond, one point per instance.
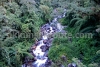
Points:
(73, 21)
(87, 29)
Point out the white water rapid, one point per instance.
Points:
(40, 49)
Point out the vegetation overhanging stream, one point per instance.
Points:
(24, 22)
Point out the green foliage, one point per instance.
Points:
(15, 18)
(61, 46)
(93, 65)
(86, 51)
(46, 12)
(78, 62)
(83, 49)
(25, 28)
(27, 16)
(13, 54)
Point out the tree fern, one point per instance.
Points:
(73, 21)
(87, 29)
(77, 24)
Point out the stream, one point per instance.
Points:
(41, 47)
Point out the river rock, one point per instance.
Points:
(72, 65)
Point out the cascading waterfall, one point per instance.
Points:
(40, 49)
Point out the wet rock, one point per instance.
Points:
(49, 42)
(46, 54)
(37, 43)
(44, 48)
(28, 62)
(48, 63)
(33, 47)
(45, 41)
(63, 58)
(72, 65)
(62, 66)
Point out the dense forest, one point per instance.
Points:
(82, 21)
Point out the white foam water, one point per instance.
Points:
(59, 27)
(40, 62)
